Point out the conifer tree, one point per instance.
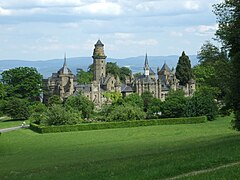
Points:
(183, 70)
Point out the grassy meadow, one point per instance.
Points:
(154, 152)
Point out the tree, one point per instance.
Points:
(134, 100)
(22, 82)
(54, 99)
(228, 33)
(17, 108)
(58, 115)
(214, 70)
(125, 112)
(124, 72)
(112, 68)
(209, 54)
(2, 91)
(202, 104)
(84, 77)
(80, 103)
(155, 109)
(174, 105)
(113, 96)
(115, 70)
(183, 70)
(147, 98)
(37, 112)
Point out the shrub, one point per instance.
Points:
(121, 124)
(125, 112)
(80, 103)
(58, 115)
(175, 104)
(38, 112)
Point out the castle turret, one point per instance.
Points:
(99, 64)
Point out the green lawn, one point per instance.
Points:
(6, 122)
(154, 152)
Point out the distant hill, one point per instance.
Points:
(47, 67)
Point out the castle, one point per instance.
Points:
(64, 83)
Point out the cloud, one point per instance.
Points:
(176, 34)
(202, 30)
(4, 12)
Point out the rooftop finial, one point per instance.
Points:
(65, 59)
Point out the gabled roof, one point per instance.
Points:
(125, 88)
(165, 67)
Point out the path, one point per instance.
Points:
(12, 128)
(194, 173)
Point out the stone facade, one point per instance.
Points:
(63, 83)
(160, 86)
(60, 83)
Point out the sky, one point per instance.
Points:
(46, 29)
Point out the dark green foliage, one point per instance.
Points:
(22, 82)
(54, 99)
(2, 91)
(2, 107)
(38, 112)
(202, 103)
(124, 72)
(58, 115)
(228, 33)
(114, 69)
(155, 109)
(174, 104)
(81, 104)
(121, 124)
(147, 98)
(17, 108)
(135, 100)
(183, 70)
(136, 75)
(125, 112)
(84, 77)
(234, 95)
(214, 70)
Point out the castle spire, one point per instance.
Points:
(65, 69)
(146, 65)
(65, 60)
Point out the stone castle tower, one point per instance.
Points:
(60, 83)
(99, 63)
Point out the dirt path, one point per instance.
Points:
(194, 173)
(12, 128)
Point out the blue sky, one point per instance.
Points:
(45, 29)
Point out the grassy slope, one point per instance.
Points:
(129, 153)
(6, 122)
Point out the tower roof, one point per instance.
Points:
(99, 43)
(146, 65)
(65, 69)
(165, 67)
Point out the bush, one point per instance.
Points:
(58, 115)
(175, 104)
(202, 104)
(125, 112)
(38, 112)
(121, 124)
(81, 104)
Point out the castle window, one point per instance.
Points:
(112, 82)
(102, 61)
(102, 67)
